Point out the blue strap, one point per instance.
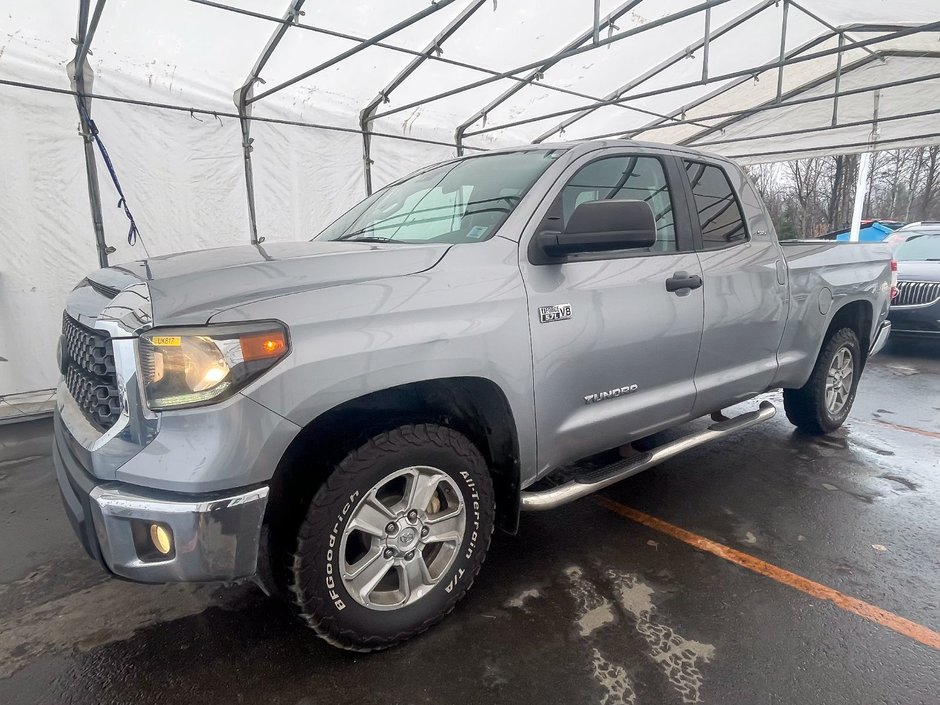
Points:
(132, 233)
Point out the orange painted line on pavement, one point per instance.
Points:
(901, 427)
(910, 629)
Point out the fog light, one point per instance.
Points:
(162, 538)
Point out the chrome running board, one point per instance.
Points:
(598, 480)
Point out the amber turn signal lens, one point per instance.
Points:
(263, 346)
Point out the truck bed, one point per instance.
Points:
(821, 275)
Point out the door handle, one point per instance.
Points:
(781, 272)
(682, 280)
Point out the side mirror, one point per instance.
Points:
(599, 226)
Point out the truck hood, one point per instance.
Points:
(919, 270)
(190, 287)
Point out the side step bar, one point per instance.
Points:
(570, 491)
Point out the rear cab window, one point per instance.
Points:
(719, 213)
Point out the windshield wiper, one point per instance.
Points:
(368, 238)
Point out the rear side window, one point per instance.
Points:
(625, 179)
(718, 211)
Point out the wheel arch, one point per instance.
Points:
(857, 315)
(474, 406)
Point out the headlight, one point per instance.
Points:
(183, 367)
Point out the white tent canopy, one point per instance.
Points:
(350, 95)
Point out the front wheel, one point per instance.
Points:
(394, 538)
(822, 404)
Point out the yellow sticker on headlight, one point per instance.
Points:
(167, 341)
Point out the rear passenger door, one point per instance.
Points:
(745, 286)
(613, 349)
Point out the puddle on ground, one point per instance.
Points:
(117, 609)
(594, 610)
(519, 601)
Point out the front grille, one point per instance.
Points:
(88, 366)
(916, 293)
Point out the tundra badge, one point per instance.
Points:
(610, 394)
(558, 312)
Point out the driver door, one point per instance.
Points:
(614, 352)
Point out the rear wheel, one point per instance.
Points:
(823, 403)
(394, 538)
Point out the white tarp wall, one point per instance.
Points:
(183, 173)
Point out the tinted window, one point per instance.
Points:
(625, 179)
(463, 201)
(718, 210)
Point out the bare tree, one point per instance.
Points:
(806, 178)
(930, 181)
(809, 197)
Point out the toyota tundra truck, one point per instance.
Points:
(346, 420)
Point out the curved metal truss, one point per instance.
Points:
(865, 37)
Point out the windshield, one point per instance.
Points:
(919, 247)
(457, 202)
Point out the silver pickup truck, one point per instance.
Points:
(345, 420)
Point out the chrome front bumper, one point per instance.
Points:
(216, 536)
(214, 539)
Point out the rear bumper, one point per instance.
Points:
(215, 537)
(920, 320)
(881, 338)
(915, 333)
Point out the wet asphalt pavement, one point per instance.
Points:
(583, 606)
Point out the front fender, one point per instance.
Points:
(466, 317)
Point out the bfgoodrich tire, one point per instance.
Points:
(393, 538)
(823, 403)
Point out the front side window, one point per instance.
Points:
(718, 210)
(457, 202)
(624, 179)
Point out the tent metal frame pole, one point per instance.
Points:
(82, 81)
(673, 118)
(597, 21)
(827, 25)
(846, 148)
(737, 115)
(537, 72)
(219, 114)
(835, 92)
(372, 41)
(812, 130)
(875, 27)
(694, 140)
(242, 104)
(783, 47)
(637, 81)
(706, 43)
(744, 73)
(366, 115)
(392, 47)
(620, 36)
(753, 71)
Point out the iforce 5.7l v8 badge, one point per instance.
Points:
(558, 312)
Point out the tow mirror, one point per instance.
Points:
(599, 226)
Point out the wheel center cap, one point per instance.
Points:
(407, 537)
